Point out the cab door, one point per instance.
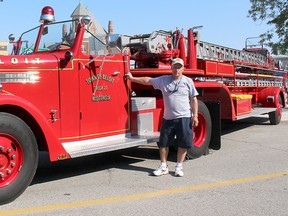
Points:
(103, 97)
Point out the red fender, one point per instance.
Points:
(269, 97)
(55, 148)
(214, 92)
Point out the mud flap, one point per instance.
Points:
(215, 112)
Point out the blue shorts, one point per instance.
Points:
(181, 128)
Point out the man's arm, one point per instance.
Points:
(194, 107)
(140, 80)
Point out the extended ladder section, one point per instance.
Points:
(209, 51)
(258, 80)
(158, 41)
(252, 69)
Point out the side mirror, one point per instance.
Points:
(86, 20)
(11, 38)
(68, 56)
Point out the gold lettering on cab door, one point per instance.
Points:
(101, 98)
(105, 77)
(100, 77)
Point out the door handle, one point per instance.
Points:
(116, 73)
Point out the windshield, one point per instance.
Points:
(93, 44)
(61, 36)
(55, 36)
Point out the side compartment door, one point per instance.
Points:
(103, 97)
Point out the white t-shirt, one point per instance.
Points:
(176, 95)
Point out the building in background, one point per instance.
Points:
(89, 45)
(68, 32)
(4, 45)
(282, 61)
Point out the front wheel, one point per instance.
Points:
(201, 133)
(18, 157)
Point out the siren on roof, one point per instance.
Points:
(47, 15)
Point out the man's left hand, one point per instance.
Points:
(195, 121)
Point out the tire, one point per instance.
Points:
(18, 157)
(275, 116)
(201, 133)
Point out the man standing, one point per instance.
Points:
(180, 113)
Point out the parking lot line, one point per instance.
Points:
(139, 196)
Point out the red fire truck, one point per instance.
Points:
(65, 92)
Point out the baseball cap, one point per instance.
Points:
(177, 61)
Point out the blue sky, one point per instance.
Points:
(225, 21)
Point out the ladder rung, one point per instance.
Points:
(211, 51)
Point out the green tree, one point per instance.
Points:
(275, 12)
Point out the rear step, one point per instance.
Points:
(256, 112)
(91, 147)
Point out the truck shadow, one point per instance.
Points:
(122, 159)
(229, 126)
(126, 159)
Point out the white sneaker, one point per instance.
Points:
(179, 172)
(161, 170)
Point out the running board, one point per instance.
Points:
(256, 112)
(91, 147)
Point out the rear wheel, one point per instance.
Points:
(275, 116)
(201, 133)
(18, 157)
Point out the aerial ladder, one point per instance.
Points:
(253, 67)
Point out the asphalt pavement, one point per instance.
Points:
(247, 176)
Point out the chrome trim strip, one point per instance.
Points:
(23, 77)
